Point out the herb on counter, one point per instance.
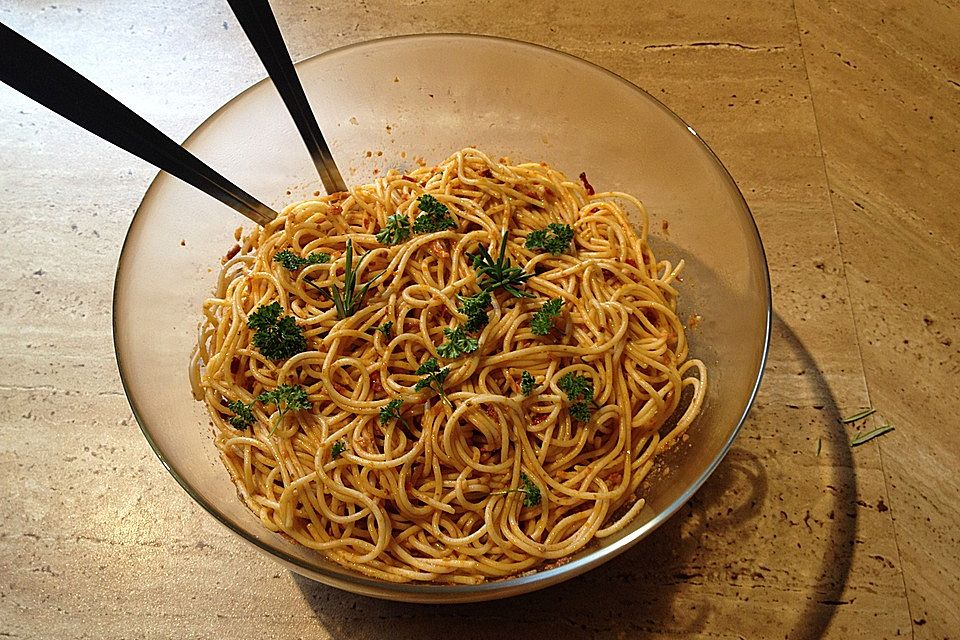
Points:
(292, 262)
(242, 417)
(527, 383)
(457, 344)
(276, 337)
(475, 308)
(579, 390)
(349, 300)
(434, 216)
(542, 322)
(554, 239)
(285, 398)
(858, 416)
(870, 435)
(396, 231)
(433, 378)
(529, 489)
(499, 273)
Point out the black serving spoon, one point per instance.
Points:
(42, 77)
(261, 27)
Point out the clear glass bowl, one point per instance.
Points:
(389, 103)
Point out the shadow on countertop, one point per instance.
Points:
(660, 587)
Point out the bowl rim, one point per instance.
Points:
(490, 589)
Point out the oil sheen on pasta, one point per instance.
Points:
(427, 499)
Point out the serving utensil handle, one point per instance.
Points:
(42, 77)
(258, 22)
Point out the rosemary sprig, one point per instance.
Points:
(349, 299)
(500, 273)
(857, 416)
(870, 435)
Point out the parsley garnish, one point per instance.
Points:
(285, 398)
(349, 300)
(542, 322)
(475, 308)
(276, 337)
(338, 448)
(385, 328)
(433, 378)
(396, 231)
(530, 491)
(292, 262)
(434, 216)
(527, 383)
(392, 412)
(579, 390)
(500, 273)
(458, 343)
(554, 239)
(242, 415)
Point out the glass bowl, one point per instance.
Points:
(394, 102)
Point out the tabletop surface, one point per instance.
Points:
(840, 122)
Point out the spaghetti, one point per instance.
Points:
(521, 446)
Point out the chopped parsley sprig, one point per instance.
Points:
(499, 273)
(285, 398)
(386, 328)
(543, 320)
(434, 216)
(392, 411)
(475, 308)
(242, 417)
(349, 299)
(292, 262)
(529, 489)
(527, 383)
(433, 378)
(579, 390)
(396, 231)
(458, 343)
(337, 449)
(554, 239)
(275, 336)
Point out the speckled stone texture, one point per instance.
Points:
(840, 121)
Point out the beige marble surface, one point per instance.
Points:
(840, 121)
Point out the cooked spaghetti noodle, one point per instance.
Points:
(491, 481)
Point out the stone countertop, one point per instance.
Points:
(840, 122)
